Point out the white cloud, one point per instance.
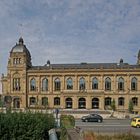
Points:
(71, 31)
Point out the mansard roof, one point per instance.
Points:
(86, 66)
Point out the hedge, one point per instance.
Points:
(25, 126)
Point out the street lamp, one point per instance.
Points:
(57, 112)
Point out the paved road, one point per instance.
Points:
(110, 126)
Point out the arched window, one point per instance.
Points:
(57, 84)
(33, 85)
(45, 84)
(69, 83)
(107, 101)
(16, 60)
(32, 101)
(121, 101)
(56, 101)
(107, 83)
(134, 84)
(82, 103)
(82, 84)
(16, 84)
(16, 103)
(95, 83)
(44, 101)
(121, 84)
(68, 102)
(135, 101)
(95, 103)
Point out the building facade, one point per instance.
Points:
(69, 86)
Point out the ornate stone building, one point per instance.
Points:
(69, 86)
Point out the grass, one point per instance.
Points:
(89, 135)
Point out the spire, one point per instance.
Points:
(21, 41)
(138, 59)
(139, 54)
(121, 61)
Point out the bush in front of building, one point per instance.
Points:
(63, 134)
(25, 126)
(130, 106)
(113, 105)
(67, 121)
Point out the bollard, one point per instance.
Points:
(52, 134)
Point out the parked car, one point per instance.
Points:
(92, 118)
(135, 122)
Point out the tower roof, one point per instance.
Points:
(20, 47)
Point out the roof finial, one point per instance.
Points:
(121, 61)
(21, 41)
(139, 54)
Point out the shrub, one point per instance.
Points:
(113, 105)
(89, 135)
(67, 121)
(63, 133)
(131, 106)
(25, 125)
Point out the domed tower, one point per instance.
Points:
(20, 55)
(138, 60)
(18, 64)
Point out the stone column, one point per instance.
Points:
(39, 84)
(62, 83)
(62, 102)
(115, 83)
(51, 101)
(102, 83)
(75, 102)
(88, 102)
(76, 82)
(51, 84)
(101, 102)
(127, 84)
(88, 84)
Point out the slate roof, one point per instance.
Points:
(86, 66)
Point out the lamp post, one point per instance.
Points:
(57, 112)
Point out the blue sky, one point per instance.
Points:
(71, 31)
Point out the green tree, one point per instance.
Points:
(113, 105)
(131, 106)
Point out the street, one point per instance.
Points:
(109, 126)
